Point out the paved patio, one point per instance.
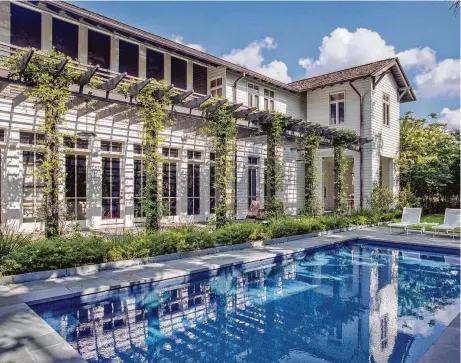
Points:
(25, 337)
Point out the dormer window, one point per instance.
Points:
(337, 109)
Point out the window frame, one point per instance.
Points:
(214, 90)
(75, 197)
(111, 151)
(386, 104)
(138, 158)
(254, 96)
(252, 194)
(166, 199)
(111, 197)
(337, 102)
(195, 198)
(194, 154)
(270, 99)
(37, 201)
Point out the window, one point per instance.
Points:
(199, 79)
(139, 186)
(253, 96)
(252, 182)
(179, 72)
(384, 331)
(65, 37)
(31, 138)
(111, 146)
(170, 153)
(212, 156)
(337, 108)
(128, 58)
(26, 27)
(75, 143)
(194, 155)
(111, 188)
(386, 109)
(269, 103)
(193, 189)
(138, 149)
(253, 160)
(76, 186)
(169, 175)
(98, 49)
(155, 64)
(212, 188)
(216, 87)
(2, 135)
(33, 185)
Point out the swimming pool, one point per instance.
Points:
(355, 302)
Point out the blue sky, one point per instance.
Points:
(278, 39)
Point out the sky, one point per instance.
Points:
(294, 40)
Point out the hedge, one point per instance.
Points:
(78, 250)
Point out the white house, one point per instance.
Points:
(104, 174)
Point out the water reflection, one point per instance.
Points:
(352, 304)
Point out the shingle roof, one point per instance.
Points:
(344, 75)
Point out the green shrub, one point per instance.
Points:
(199, 239)
(10, 240)
(381, 199)
(239, 233)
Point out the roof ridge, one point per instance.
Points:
(343, 69)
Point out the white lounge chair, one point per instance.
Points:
(410, 217)
(451, 221)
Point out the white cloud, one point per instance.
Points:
(251, 57)
(179, 39)
(441, 80)
(343, 49)
(451, 117)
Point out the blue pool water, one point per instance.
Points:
(352, 303)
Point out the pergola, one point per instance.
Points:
(106, 100)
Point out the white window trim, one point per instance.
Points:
(252, 93)
(386, 112)
(221, 86)
(110, 153)
(337, 108)
(269, 98)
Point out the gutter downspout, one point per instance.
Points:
(234, 91)
(361, 146)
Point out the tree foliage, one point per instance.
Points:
(429, 158)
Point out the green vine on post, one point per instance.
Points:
(50, 89)
(273, 205)
(153, 112)
(309, 143)
(222, 129)
(341, 140)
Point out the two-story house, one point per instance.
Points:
(104, 169)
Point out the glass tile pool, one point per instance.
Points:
(355, 302)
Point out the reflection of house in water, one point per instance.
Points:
(337, 306)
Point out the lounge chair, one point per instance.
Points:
(450, 222)
(410, 217)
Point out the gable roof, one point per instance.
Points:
(374, 69)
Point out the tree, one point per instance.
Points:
(429, 158)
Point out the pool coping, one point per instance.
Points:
(20, 296)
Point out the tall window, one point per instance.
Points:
(216, 87)
(199, 79)
(98, 49)
(26, 27)
(384, 331)
(179, 72)
(76, 186)
(193, 189)
(33, 185)
(212, 183)
(253, 96)
(252, 179)
(155, 64)
(139, 185)
(128, 58)
(269, 103)
(386, 109)
(65, 37)
(169, 175)
(111, 186)
(337, 109)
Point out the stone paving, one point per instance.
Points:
(25, 337)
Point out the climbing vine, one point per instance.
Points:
(273, 205)
(341, 140)
(49, 87)
(222, 129)
(152, 111)
(309, 143)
